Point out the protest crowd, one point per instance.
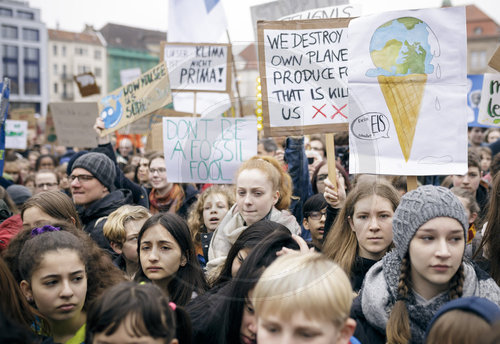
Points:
(106, 244)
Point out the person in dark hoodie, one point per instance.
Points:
(94, 193)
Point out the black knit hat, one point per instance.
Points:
(100, 166)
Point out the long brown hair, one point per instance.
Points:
(341, 244)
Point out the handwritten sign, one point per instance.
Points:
(74, 124)
(203, 150)
(489, 108)
(87, 84)
(475, 85)
(331, 12)
(24, 114)
(407, 93)
(303, 71)
(136, 99)
(198, 67)
(16, 134)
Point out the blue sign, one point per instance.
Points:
(4, 106)
(475, 86)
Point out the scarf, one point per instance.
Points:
(380, 290)
(171, 202)
(232, 225)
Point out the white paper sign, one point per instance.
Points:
(207, 150)
(408, 93)
(197, 67)
(489, 108)
(343, 11)
(16, 134)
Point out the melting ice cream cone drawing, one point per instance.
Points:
(402, 49)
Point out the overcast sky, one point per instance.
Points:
(72, 15)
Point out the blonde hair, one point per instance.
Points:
(341, 244)
(281, 180)
(114, 228)
(308, 282)
(195, 217)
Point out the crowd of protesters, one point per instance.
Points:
(98, 246)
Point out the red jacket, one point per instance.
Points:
(8, 229)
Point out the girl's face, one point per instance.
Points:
(58, 290)
(129, 247)
(46, 163)
(372, 224)
(254, 195)
(248, 329)
(160, 254)
(298, 329)
(124, 335)
(485, 162)
(143, 170)
(35, 217)
(493, 136)
(158, 174)
(436, 252)
(238, 260)
(215, 208)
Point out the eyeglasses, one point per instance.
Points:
(316, 215)
(158, 170)
(81, 178)
(46, 185)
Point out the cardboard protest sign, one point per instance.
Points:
(495, 60)
(144, 125)
(489, 108)
(50, 128)
(136, 99)
(303, 73)
(155, 138)
(87, 84)
(24, 114)
(330, 12)
(207, 150)
(475, 85)
(198, 67)
(74, 123)
(407, 79)
(16, 134)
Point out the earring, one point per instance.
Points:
(29, 299)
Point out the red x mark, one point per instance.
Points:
(319, 110)
(338, 111)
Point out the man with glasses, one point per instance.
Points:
(92, 187)
(46, 180)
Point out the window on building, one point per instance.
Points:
(5, 12)
(478, 59)
(81, 51)
(31, 35)
(98, 72)
(9, 31)
(63, 50)
(97, 54)
(31, 70)
(478, 30)
(83, 69)
(55, 69)
(10, 55)
(55, 87)
(26, 15)
(54, 50)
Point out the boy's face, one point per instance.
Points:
(129, 248)
(476, 136)
(300, 329)
(315, 223)
(470, 181)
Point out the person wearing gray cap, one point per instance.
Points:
(92, 187)
(402, 292)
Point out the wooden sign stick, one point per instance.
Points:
(194, 104)
(411, 183)
(330, 156)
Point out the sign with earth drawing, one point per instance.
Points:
(407, 83)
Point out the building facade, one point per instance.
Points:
(73, 53)
(23, 42)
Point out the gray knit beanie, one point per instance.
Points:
(100, 166)
(421, 205)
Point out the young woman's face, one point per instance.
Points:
(158, 174)
(124, 335)
(143, 170)
(254, 195)
(215, 208)
(372, 224)
(35, 217)
(58, 286)
(248, 329)
(298, 329)
(436, 252)
(129, 247)
(160, 254)
(238, 260)
(485, 162)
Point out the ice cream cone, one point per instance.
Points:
(403, 96)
